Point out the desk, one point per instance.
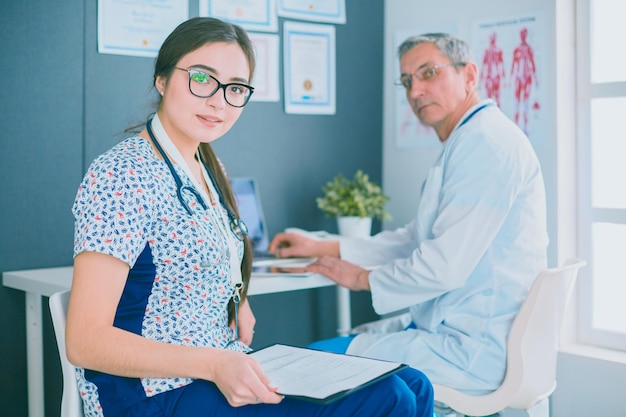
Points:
(37, 283)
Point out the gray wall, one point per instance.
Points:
(62, 103)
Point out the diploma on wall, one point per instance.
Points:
(319, 376)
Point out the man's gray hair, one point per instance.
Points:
(453, 48)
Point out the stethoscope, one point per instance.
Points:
(473, 113)
(237, 225)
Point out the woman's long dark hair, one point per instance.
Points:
(187, 37)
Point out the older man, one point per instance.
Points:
(463, 267)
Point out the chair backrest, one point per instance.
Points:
(532, 350)
(71, 403)
(534, 338)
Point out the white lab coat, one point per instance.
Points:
(465, 264)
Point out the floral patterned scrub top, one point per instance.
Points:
(178, 288)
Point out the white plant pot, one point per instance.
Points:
(354, 226)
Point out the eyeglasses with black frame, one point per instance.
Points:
(424, 74)
(205, 85)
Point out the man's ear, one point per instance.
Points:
(471, 76)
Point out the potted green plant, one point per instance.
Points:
(354, 202)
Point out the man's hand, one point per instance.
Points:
(293, 245)
(343, 273)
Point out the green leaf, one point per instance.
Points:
(357, 197)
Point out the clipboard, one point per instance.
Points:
(317, 376)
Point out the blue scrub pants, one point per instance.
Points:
(406, 393)
(401, 395)
(340, 345)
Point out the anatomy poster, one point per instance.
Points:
(512, 63)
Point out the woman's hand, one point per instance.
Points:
(242, 381)
(246, 322)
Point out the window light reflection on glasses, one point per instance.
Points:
(205, 85)
(424, 74)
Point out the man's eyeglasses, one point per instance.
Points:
(205, 85)
(424, 74)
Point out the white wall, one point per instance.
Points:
(590, 382)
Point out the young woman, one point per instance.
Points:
(158, 321)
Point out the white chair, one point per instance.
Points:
(71, 403)
(532, 350)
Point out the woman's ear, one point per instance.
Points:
(159, 84)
